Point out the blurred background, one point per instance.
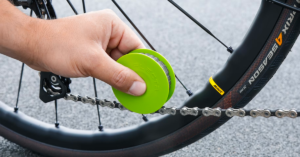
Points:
(195, 56)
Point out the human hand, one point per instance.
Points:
(85, 45)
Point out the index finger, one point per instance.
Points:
(122, 39)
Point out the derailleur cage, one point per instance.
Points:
(53, 87)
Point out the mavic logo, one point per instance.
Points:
(215, 86)
(218, 89)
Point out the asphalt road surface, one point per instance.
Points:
(195, 56)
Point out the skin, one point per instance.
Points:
(77, 46)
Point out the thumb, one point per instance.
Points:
(119, 76)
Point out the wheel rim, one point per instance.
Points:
(191, 103)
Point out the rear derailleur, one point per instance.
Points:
(53, 87)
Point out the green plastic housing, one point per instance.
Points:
(158, 90)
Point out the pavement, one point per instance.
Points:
(195, 56)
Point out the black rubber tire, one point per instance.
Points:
(247, 71)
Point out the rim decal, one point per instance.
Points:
(216, 87)
(279, 39)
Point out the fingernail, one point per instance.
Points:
(137, 88)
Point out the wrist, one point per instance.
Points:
(17, 32)
(30, 39)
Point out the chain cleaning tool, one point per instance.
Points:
(158, 75)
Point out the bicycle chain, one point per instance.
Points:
(195, 111)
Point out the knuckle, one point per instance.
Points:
(120, 78)
(109, 12)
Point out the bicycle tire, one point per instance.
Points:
(242, 65)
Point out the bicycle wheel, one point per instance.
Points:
(252, 64)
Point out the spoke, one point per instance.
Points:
(188, 91)
(145, 118)
(19, 89)
(229, 49)
(100, 127)
(71, 5)
(46, 8)
(98, 109)
(55, 102)
(284, 5)
(141, 34)
(39, 14)
(20, 81)
(56, 117)
(83, 5)
(94, 83)
(95, 88)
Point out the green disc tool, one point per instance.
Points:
(158, 75)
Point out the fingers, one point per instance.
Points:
(122, 39)
(117, 39)
(116, 54)
(118, 76)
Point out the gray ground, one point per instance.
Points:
(195, 56)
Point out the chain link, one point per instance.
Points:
(286, 113)
(195, 111)
(230, 112)
(212, 112)
(260, 113)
